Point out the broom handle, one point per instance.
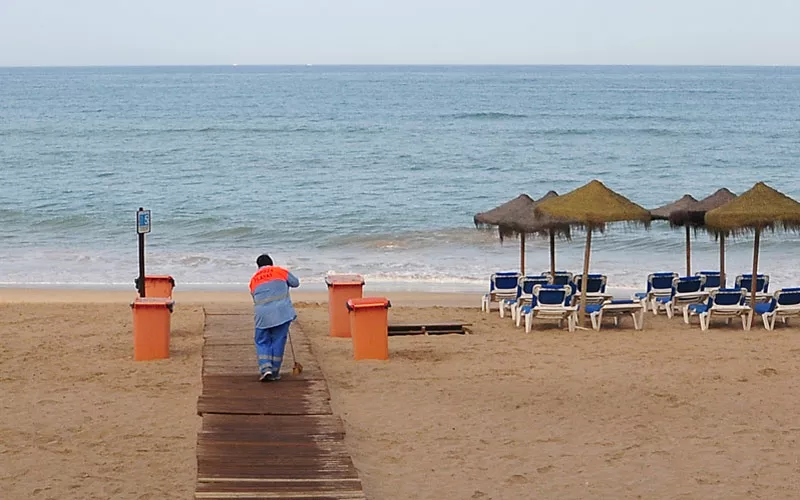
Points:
(291, 346)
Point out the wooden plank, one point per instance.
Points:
(282, 485)
(430, 325)
(276, 461)
(223, 349)
(245, 395)
(247, 352)
(429, 332)
(355, 494)
(240, 406)
(249, 386)
(250, 370)
(426, 329)
(268, 428)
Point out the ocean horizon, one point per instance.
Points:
(405, 65)
(375, 169)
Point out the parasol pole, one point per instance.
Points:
(585, 273)
(522, 253)
(756, 243)
(552, 252)
(722, 260)
(688, 252)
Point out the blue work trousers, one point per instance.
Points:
(270, 343)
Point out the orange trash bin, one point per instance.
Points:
(341, 288)
(159, 286)
(369, 327)
(151, 325)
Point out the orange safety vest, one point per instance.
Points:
(267, 273)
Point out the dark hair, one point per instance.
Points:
(264, 260)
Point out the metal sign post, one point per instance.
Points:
(142, 227)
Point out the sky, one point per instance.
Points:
(210, 32)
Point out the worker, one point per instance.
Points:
(274, 312)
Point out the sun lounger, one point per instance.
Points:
(501, 286)
(762, 286)
(559, 278)
(713, 279)
(723, 303)
(658, 285)
(595, 290)
(685, 290)
(595, 283)
(785, 304)
(617, 309)
(549, 303)
(524, 294)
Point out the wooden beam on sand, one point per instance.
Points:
(429, 329)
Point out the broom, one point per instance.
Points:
(297, 368)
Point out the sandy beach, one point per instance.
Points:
(668, 412)
(81, 419)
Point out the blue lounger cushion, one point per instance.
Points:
(590, 308)
(698, 308)
(764, 307)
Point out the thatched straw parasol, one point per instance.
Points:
(686, 203)
(696, 218)
(592, 206)
(529, 223)
(759, 208)
(501, 216)
(516, 218)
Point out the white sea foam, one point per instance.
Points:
(440, 266)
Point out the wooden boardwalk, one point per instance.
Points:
(277, 440)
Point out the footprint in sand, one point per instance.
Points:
(517, 479)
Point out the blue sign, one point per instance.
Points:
(142, 221)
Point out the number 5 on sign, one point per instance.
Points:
(142, 221)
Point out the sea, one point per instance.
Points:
(376, 170)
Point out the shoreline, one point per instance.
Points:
(44, 295)
(90, 296)
(315, 285)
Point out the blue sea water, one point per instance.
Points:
(375, 170)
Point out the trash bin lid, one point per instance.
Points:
(344, 279)
(152, 302)
(366, 302)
